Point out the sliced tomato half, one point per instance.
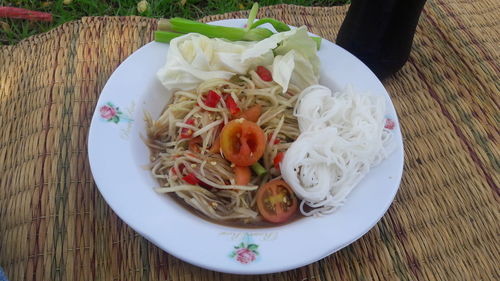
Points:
(276, 201)
(242, 142)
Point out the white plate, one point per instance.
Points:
(117, 156)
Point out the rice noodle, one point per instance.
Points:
(342, 137)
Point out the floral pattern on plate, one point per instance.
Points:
(111, 113)
(245, 252)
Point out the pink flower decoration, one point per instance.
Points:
(107, 112)
(389, 124)
(244, 255)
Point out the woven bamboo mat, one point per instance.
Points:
(443, 225)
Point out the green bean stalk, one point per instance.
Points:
(169, 29)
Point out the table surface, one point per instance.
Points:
(443, 224)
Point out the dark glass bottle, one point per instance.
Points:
(380, 32)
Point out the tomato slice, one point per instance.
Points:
(242, 175)
(251, 114)
(276, 201)
(242, 142)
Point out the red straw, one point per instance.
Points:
(20, 13)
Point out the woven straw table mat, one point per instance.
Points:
(443, 224)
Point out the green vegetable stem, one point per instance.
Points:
(165, 36)
(278, 25)
(258, 169)
(169, 29)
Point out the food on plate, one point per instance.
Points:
(343, 135)
(276, 201)
(249, 137)
(213, 146)
(169, 29)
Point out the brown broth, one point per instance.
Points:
(233, 223)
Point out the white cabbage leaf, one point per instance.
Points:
(194, 58)
(306, 61)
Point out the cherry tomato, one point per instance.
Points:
(242, 142)
(276, 201)
(252, 113)
(264, 73)
(242, 175)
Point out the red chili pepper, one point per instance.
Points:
(389, 124)
(278, 159)
(191, 179)
(232, 105)
(20, 13)
(212, 99)
(276, 140)
(264, 73)
(185, 132)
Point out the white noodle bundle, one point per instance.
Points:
(342, 137)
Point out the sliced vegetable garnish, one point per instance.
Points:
(251, 114)
(185, 132)
(277, 159)
(258, 169)
(232, 105)
(181, 25)
(317, 40)
(191, 179)
(252, 15)
(165, 36)
(276, 201)
(242, 175)
(278, 25)
(212, 99)
(242, 142)
(169, 29)
(264, 73)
